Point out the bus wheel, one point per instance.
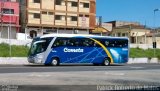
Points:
(95, 64)
(55, 62)
(106, 62)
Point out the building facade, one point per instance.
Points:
(40, 17)
(9, 18)
(122, 23)
(136, 33)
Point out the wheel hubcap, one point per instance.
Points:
(106, 62)
(54, 62)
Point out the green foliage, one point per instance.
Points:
(21, 51)
(16, 51)
(139, 53)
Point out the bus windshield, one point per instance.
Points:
(39, 45)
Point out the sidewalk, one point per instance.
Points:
(23, 60)
(14, 60)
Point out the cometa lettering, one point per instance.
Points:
(73, 50)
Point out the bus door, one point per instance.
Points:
(123, 45)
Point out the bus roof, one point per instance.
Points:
(80, 35)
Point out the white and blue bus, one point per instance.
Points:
(56, 49)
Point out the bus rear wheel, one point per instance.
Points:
(106, 62)
(55, 62)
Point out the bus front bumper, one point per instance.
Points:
(35, 60)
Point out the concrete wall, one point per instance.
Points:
(139, 32)
(47, 19)
(48, 4)
(61, 7)
(143, 46)
(150, 40)
(122, 23)
(83, 22)
(15, 42)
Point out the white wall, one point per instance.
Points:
(15, 42)
(143, 46)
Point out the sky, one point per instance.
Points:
(141, 11)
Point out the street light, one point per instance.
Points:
(99, 22)
(154, 32)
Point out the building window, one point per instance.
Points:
(57, 17)
(36, 15)
(123, 34)
(44, 12)
(36, 1)
(8, 11)
(33, 34)
(119, 34)
(86, 5)
(74, 4)
(80, 15)
(86, 15)
(50, 13)
(73, 18)
(58, 2)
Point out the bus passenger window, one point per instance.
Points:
(57, 43)
(76, 43)
(96, 45)
(106, 43)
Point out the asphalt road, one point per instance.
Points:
(74, 68)
(80, 77)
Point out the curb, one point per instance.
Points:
(143, 60)
(23, 61)
(14, 61)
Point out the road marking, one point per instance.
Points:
(136, 67)
(38, 75)
(115, 74)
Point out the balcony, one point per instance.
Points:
(10, 19)
(34, 5)
(47, 19)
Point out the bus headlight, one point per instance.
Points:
(39, 58)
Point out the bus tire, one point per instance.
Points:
(55, 62)
(106, 62)
(95, 64)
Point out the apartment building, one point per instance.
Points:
(9, 18)
(40, 17)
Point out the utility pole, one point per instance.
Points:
(10, 52)
(154, 37)
(2, 5)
